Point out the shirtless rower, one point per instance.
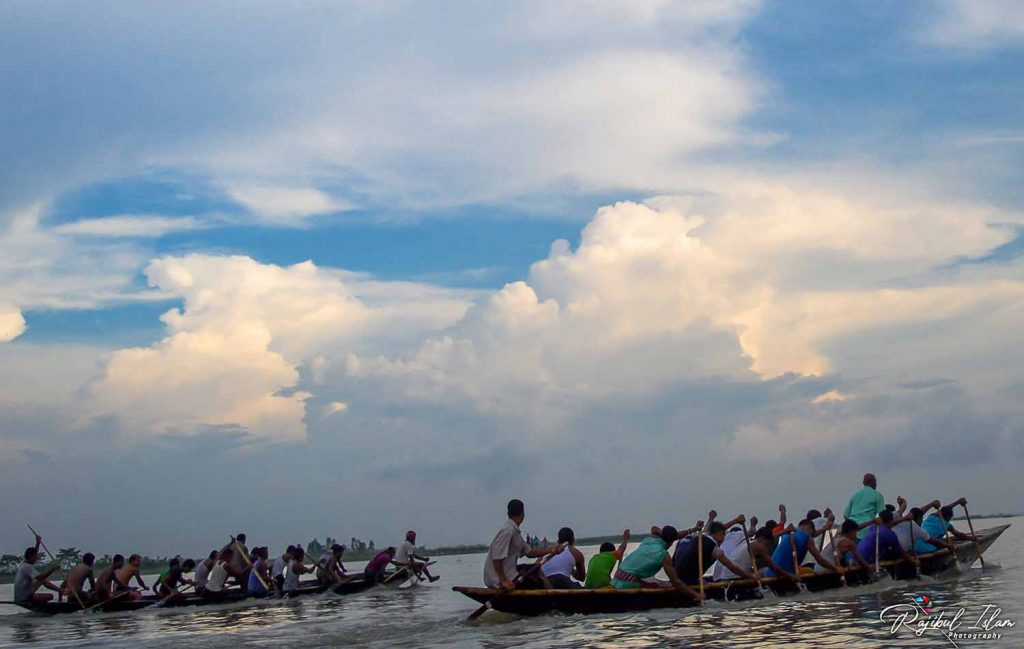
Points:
(105, 582)
(406, 555)
(124, 576)
(239, 567)
(74, 584)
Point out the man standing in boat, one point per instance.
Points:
(502, 564)
(865, 504)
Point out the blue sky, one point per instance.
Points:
(561, 236)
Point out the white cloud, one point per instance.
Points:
(975, 24)
(128, 226)
(232, 353)
(289, 206)
(12, 323)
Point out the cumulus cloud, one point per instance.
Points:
(12, 323)
(232, 354)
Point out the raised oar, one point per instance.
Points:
(796, 559)
(835, 553)
(252, 569)
(913, 549)
(753, 563)
(700, 561)
(977, 546)
(878, 546)
(489, 604)
(64, 577)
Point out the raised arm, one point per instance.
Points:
(625, 542)
(782, 515)
(739, 520)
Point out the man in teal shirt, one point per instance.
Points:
(865, 504)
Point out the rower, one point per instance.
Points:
(844, 546)
(736, 537)
(560, 569)
(803, 538)
(406, 556)
(203, 571)
(260, 574)
(124, 576)
(599, 570)
(28, 579)
(105, 583)
(239, 568)
(865, 504)
(909, 527)
(760, 548)
(280, 563)
(375, 569)
(638, 569)
(167, 584)
(296, 569)
(688, 566)
(502, 563)
(329, 570)
(937, 524)
(74, 584)
(888, 543)
(216, 581)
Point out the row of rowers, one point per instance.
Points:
(718, 550)
(230, 570)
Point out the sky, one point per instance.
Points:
(351, 268)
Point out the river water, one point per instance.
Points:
(432, 616)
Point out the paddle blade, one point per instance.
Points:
(478, 612)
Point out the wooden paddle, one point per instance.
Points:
(107, 601)
(878, 546)
(796, 560)
(489, 604)
(164, 601)
(913, 548)
(835, 553)
(700, 561)
(977, 546)
(753, 562)
(245, 555)
(74, 591)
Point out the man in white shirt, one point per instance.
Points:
(502, 564)
(29, 579)
(406, 556)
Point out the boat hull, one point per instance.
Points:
(610, 600)
(233, 596)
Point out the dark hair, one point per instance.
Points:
(174, 563)
(715, 527)
(947, 512)
(516, 508)
(763, 533)
(134, 557)
(886, 515)
(298, 553)
(813, 513)
(607, 547)
(916, 512)
(669, 534)
(391, 550)
(566, 535)
(118, 558)
(240, 537)
(188, 564)
(290, 549)
(849, 526)
(890, 507)
(213, 554)
(337, 548)
(88, 558)
(771, 524)
(805, 521)
(226, 552)
(31, 553)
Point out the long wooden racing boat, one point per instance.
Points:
(353, 585)
(610, 600)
